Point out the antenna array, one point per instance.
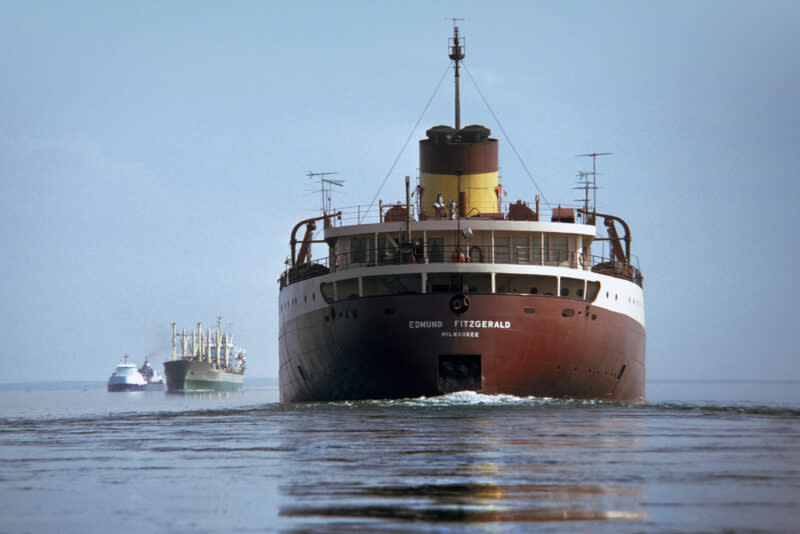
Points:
(594, 156)
(325, 188)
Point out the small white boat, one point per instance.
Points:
(126, 377)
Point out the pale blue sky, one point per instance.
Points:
(153, 158)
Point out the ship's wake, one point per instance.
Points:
(473, 398)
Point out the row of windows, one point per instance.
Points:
(519, 249)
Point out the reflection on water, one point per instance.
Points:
(504, 463)
(467, 502)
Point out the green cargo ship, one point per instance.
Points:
(205, 363)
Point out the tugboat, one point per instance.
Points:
(205, 363)
(460, 291)
(126, 378)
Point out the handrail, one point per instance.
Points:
(463, 255)
(354, 215)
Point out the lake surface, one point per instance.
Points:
(711, 457)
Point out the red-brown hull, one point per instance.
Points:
(401, 346)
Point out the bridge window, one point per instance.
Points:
(536, 249)
(501, 250)
(521, 249)
(436, 249)
(387, 250)
(358, 249)
(560, 253)
(546, 248)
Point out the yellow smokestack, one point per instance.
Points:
(451, 161)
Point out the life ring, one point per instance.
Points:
(458, 257)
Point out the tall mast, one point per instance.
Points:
(198, 346)
(456, 54)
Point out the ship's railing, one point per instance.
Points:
(463, 254)
(386, 212)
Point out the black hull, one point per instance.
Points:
(416, 345)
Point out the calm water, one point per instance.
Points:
(699, 457)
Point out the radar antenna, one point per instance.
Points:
(585, 184)
(456, 49)
(594, 155)
(326, 188)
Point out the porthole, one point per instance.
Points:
(564, 291)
